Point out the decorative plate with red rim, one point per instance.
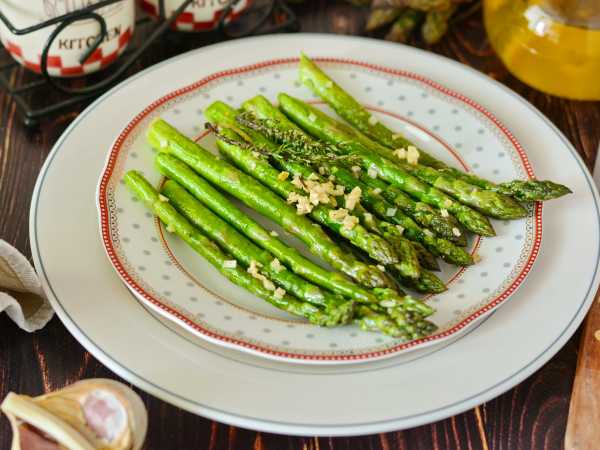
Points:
(169, 277)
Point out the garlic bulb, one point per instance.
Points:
(88, 415)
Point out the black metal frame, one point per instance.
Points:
(22, 93)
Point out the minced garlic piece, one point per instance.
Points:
(400, 229)
(356, 171)
(253, 270)
(476, 257)
(331, 177)
(448, 203)
(322, 170)
(162, 198)
(312, 117)
(313, 177)
(256, 154)
(350, 222)
(338, 214)
(412, 155)
(339, 190)
(276, 265)
(297, 181)
(376, 191)
(230, 264)
(400, 153)
(274, 233)
(279, 293)
(456, 232)
(391, 212)
(283, 176)
(302, 202)
(373, 121)
(373, 171)
(353, 198)
(381, 267)
(368, 216)
(444, 212)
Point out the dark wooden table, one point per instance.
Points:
(531, 416)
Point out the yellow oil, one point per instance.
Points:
(552, 45)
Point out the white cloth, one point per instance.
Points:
(21, 294)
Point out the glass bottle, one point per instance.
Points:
(552, 45)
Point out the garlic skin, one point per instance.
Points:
(95, 414)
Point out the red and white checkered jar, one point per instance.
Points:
(200, 15)
(69, 45)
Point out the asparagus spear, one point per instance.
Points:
(357, 115)
(404, 25)
(322, 126)
(241, 155)
(436, 24)
(379, 17)
(245, 251)
(422, 213)
(216, 257)
(163, 136)
(272, 122)
(438, 246)
(175, 169)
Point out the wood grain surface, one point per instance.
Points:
(531, 416)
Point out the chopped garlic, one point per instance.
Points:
(400, 229)
(456, 232)
(373, 121)
(276, 265)
(162, 198)
(331, 177)
(256, 154)
(312, 117)
(313, 177)
(476, 257)
(376, 191)
(230, 264)
(253, 270)
(368, 216)
(391, 212)
(381, 267)
(303, 206)
(274, 233)
(297, 181)
(373, 171)
(353, 198)
(448, 203)
(400, 153)
(350, 222)
(283, 176)
(412, 155)
(444, 212)
(356, 171)
(322, 170)
(279, 293)
(339, 190)
(338, 214)
(428, 232)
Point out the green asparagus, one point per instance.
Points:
(163, 136)
(246, 251)
(322, 126)
(404, 25)
(216, 257)
(357, 115)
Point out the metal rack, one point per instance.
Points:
(26, 87)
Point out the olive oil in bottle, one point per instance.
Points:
(552, 45)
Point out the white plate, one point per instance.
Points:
(257, 393)
(169, 277)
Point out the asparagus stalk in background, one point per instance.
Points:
(324, 127)
(358, 116)
(245, 251)
(423, 5)
(436, 24)
(404, 25)
(173, 168)
(163, 136)
(216, 257)
(380, 17)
